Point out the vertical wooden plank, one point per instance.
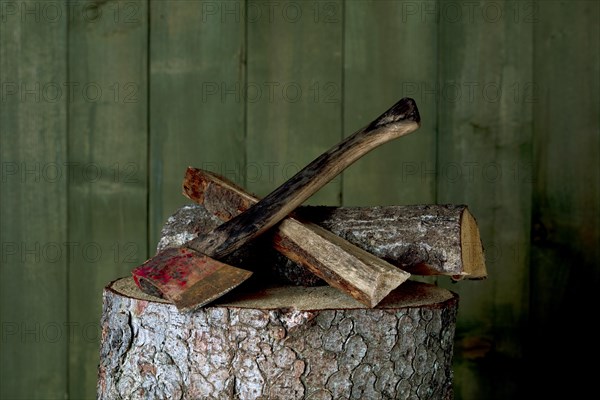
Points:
(293, 90)
(390, 53)
(33, 213)
(107, 155)
(196, 104)
(484, 160)
(566, 198)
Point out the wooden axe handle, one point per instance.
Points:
(349, 268)
(401, 119)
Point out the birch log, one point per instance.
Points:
(421, 239)
(425, 240)
(435, 239)
(284, 342)
(341, 264)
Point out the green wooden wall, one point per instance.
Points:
(104, 103)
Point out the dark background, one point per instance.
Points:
(104, 104)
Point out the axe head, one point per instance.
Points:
(187, 278)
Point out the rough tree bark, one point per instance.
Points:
(433, 239)
(284, 342)
(420, 239)
(341, 264)
(430, 239)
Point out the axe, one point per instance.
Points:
(358, 273)
(191, 276)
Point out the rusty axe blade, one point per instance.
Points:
(192, 277)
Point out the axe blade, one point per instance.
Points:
(188, 278)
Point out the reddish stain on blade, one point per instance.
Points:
(174, 270)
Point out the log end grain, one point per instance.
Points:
(473, 259)
(439, 239)
(302, 298)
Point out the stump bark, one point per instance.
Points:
(281, 342)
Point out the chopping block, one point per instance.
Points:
(279, 342)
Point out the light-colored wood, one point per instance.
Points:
(399, 120)
(433, 239)
(108, 150)
(425, 240)
(472, 256)
(341, 264)
(283, 342)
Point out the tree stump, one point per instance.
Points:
(280, 342)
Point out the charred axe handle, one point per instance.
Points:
(341, 264)
(191, 278)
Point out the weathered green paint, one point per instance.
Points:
(108, 150)
(294, 91)
(254, 90)
(390, 53)
(484, 150)
(33, 195)
(196, 109)
(566, 219)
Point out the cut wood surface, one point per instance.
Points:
(425, 239)
(198, 281)
(258, 255)
(436, 239)
(399, 120)
(283, 342)
(341, 264)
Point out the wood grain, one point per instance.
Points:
(484, 150)
(425, 239)
(197, 74)
(367, 278)
(390, 52)
(294, 95)
(283, 342)
(341, 264)
(399, 120)
(566, 183)
(197, 121)
(108, 149)
(33, 213)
